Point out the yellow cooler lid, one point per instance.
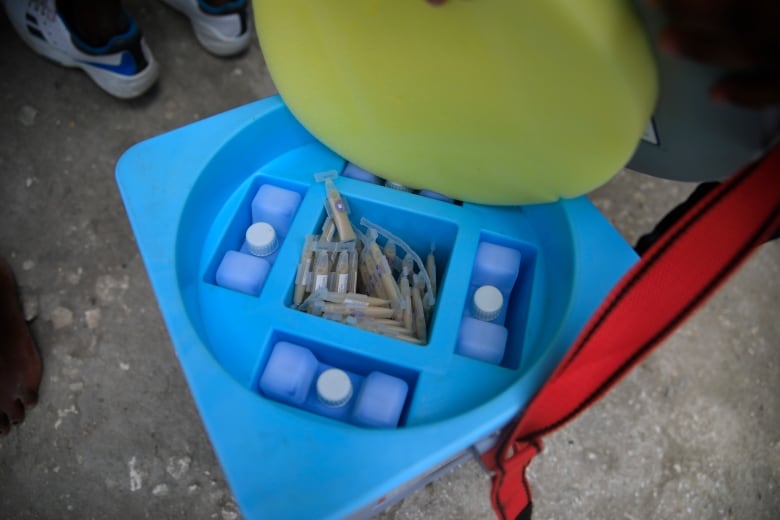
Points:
(489, 101)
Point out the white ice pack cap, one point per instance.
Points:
(334, 387)
(261, 239)
(487, 303)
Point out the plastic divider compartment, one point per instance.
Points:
(357, 366)
(236, 217)
(409, 219)
(514, 314)
(213, 218)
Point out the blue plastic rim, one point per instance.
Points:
(188, 209)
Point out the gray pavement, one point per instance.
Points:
(692, 433)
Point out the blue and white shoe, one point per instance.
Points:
(124, 67)
(223, 30)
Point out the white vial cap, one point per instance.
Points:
(334, 387)
(487, 303)
(261, 239)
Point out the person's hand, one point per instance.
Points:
(741, 35)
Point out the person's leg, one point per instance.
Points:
(94, 21)
(20, 363)
(96, 36)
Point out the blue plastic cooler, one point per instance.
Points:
(187, 194)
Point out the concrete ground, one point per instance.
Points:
(692, 433)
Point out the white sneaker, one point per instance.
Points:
(124, 67)
(222, 30)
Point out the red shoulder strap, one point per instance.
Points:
(676, 275)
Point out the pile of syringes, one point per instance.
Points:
(344, 275)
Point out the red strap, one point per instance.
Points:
(676, 275)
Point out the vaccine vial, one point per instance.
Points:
(487, 303)
(481, 340)
(242, 272)
(337, 210)
(289, 373)
(334, 387)
(380, 401)
(496, 265)
(275, 206)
